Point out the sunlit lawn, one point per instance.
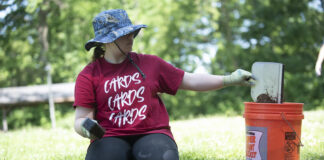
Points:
(206, 138)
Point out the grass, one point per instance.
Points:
(206, 138)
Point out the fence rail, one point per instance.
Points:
(30, 95)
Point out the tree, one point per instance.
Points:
(239, 33)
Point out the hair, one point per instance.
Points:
(98, 53)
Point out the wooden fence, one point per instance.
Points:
(31, 95)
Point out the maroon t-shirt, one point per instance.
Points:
(126, 103)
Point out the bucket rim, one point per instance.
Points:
(272, 116)
(285, 103)
(273, 108)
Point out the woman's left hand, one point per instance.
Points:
(239, 77)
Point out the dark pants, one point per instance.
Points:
(142, 147)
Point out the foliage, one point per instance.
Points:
(290, 33)
(37, 115)
(220, 35)
(204, 138)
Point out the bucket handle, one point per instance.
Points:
(284, 118)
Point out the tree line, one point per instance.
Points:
(218, 35)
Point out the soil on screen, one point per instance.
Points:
(265, 98)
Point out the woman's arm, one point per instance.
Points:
(206, 82)
(201, 82)
(319, 61)
(81, 113)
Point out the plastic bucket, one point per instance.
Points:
(273, 130)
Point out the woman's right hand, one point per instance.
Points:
(91, 129)
(81, 114)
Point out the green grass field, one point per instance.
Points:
(205, 138)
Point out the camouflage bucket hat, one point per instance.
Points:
(110, 25)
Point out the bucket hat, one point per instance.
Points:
(109, 25)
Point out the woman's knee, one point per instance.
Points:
(109, 148)
(157, 147)
(170, 155)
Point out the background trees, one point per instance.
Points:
(216, 35)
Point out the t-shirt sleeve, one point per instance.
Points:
(84, 94)
(170, 77)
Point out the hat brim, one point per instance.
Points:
(112, 36)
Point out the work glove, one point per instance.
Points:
(239, 77)
(91, 129)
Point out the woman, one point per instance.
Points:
(119, 90)
(319, 61)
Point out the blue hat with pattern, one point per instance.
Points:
(110, 25)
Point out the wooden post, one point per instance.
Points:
(50, 95)
(4, 120)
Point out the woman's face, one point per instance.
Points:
(126, 42)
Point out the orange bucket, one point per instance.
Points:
(273, 130)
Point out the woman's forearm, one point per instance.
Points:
(201, 82)
(78, 127)
(320, 57)
(207, 82)
(81, 113)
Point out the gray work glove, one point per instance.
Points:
(239, 77)
(91, 129)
